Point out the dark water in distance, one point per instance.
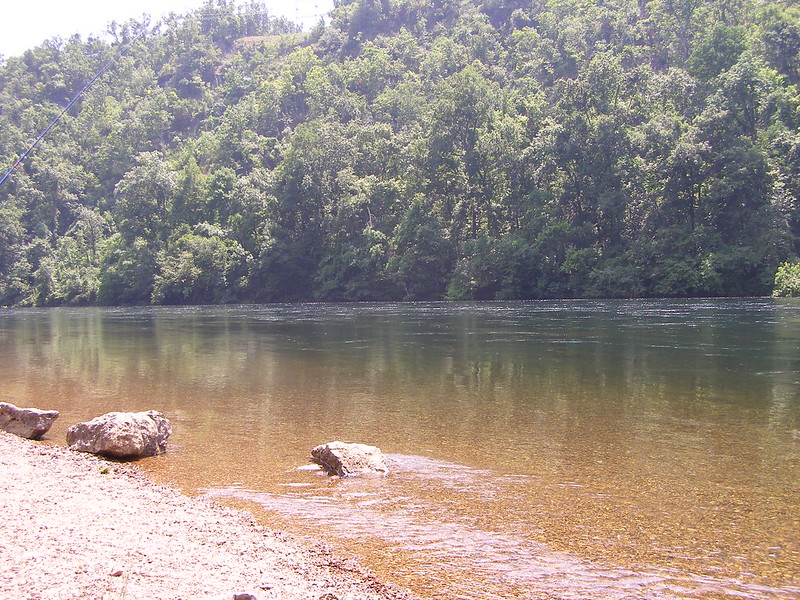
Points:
(559, 449)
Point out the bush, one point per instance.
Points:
(787, 280)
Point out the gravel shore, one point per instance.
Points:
(73, 526)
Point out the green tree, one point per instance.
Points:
(493, 269)
(144, 197)
(717, 51)
(127, 271)
(780, 30)
(200, 267)
(14, 267)
(190, 200)
(422, 254)
(787, 280)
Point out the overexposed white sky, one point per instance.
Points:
(26, 24)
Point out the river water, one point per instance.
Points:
(560, 449)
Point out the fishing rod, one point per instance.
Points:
(83, 90)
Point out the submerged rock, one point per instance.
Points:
(122, 435)
(348, 460)
(30, 423)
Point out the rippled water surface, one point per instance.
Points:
(609, 449)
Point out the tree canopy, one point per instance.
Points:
(408, 150)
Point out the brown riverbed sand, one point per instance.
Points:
(73, 526)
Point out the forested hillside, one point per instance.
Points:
(411, 149)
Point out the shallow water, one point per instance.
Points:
(614, 449)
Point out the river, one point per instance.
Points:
(556, 449)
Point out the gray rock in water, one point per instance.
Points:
(347, 460)
(122, 435)
(30, 423)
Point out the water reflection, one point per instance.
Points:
(629, 445)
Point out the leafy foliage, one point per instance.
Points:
(412, 150)
(787, 280)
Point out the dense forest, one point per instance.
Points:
(408, 150)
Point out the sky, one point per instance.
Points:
(26, 24)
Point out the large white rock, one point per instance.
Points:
(347, 460)
(122, 434)
(30, 423)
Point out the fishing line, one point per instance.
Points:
(83, 90)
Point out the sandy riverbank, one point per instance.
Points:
(73, 526)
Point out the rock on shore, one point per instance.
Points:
(30, 423)
(76, 526)
(122, 434)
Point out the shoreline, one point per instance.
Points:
(75, 526)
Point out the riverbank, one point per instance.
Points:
(78, 527)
